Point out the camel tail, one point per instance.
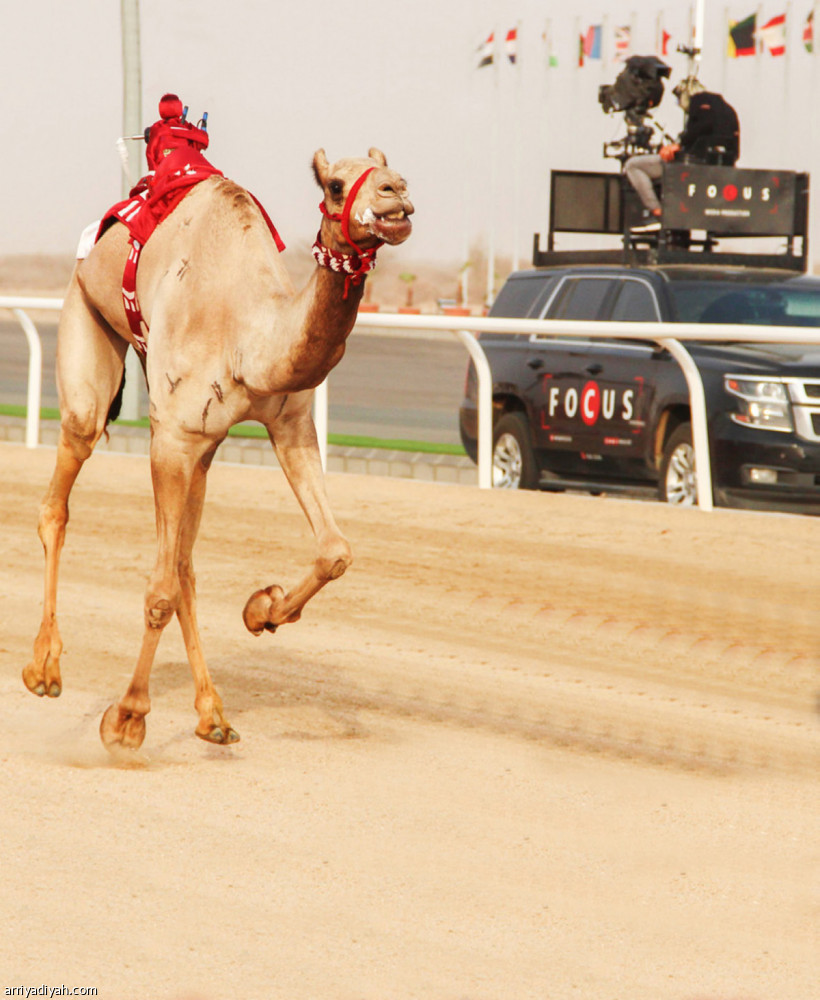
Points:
(116, 403)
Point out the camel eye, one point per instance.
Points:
(336, 187)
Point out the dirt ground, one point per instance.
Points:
(530, 746)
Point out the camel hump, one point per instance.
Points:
(246, 206)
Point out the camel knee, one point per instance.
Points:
(331, 565)
(80, 430)
(160, 606)
(158, 613)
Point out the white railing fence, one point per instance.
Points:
(667, 335)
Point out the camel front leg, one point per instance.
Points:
(294, 438)
(212, 725)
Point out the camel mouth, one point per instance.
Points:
(393, 227)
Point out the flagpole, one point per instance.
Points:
(517, 149)
(813, 81)
(465, 191)
(697, 41)
(787, 72)
(131, 125)
(690, 41)
(727, 24)
(758, 46)
(547, 94)
(488, 300)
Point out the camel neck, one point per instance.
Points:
(325, 320)
(335, 303)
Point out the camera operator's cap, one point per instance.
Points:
(688, 86)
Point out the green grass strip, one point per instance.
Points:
(257, 431)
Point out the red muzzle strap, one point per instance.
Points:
(354, 275)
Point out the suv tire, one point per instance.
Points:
(514, 466)
(678, 482)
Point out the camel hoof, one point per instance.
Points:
(121, 729)
(34, 683)
(54, 690)
(223, 737)
(259, 609)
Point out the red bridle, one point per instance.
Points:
(354, 265)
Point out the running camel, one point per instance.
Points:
(230, 340)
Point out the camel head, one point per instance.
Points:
(365, 202)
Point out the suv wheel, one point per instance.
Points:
(678, 482)
(514, 465)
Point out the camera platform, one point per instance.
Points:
(703, 206)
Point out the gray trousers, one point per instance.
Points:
(640, 172)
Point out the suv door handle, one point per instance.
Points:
(594, 368)
(535, 363)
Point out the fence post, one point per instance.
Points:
(485, 408)
(35, 378)
(697, 408)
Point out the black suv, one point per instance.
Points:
(607, 416)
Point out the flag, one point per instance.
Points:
(623, 40)
(592, 42)
(665, 39)
(580, 50)
(742, 37)
(485, 51)
(773, 35)
(546, 38)
(511, 44)
(808, 32)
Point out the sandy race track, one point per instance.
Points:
(530, 746)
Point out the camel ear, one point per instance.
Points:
(321, 167)
(377, 155)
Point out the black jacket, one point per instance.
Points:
(711, 122)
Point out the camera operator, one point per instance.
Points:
(711, 135)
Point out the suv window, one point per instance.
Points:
(781, 304)
(523, 297)
(635, 303)
(581, 298)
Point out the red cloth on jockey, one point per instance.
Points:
(172, 132)
(175, 157)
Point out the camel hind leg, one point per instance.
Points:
(90, 360)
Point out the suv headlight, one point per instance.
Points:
(761, 402)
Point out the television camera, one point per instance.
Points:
(637, 88)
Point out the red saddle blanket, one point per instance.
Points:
(152, 200)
